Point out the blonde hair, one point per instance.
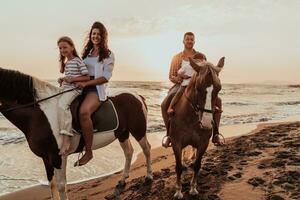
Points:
(62, 59)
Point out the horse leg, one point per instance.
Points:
(128, 152)
(146, 149)
(178, 154)
(51, 178)
(197, 165)
(54, 190)
(60, 176)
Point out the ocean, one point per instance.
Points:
(242, 104)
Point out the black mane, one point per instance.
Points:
(16, 86)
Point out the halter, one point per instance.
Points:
(36, 102)
(196, 107)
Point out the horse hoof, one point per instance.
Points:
(178, 195)
(194, 192)
(148, 179)
(184, 168)
(121, 184)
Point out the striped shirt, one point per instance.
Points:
(74, 68)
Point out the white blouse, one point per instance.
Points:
(186, 69)
(101, 69)
(90, 64)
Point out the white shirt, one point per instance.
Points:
(186, 69)
(101, 69)
(90, 64)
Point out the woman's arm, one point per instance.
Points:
(77, 79)
(107, 74)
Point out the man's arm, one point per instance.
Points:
(173, 73)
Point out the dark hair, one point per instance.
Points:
(188, 33)
(62, 59)
(104, 52)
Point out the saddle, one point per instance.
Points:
(104, 119)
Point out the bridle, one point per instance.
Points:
(194, 103)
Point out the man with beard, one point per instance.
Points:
(178, 60)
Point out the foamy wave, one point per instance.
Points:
(288, 103)
(237, 103)
(11, 135)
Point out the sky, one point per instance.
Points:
(259, 38)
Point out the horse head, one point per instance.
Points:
(206, 76)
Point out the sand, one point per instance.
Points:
(263, 164)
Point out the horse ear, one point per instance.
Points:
(194, 65)
(220, 65)
(216, 81)
(221, 62)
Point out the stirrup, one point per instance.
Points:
(80, 154)
(162, 142)
(219, 144)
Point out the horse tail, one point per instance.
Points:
(144, 100)
(144, 105)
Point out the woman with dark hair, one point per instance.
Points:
(100, 63)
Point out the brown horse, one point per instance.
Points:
(19, 103)
(192, 122)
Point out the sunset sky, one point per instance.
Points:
(260, 39)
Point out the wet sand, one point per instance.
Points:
(264, 164)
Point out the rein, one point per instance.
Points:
(36, 102)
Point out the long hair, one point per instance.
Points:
(62, 59)
(104, 52)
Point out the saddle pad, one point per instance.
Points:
(104, 119)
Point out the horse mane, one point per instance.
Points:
(16, 86)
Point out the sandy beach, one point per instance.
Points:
(263, 164)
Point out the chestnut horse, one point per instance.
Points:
(192, 122)
(21, 104)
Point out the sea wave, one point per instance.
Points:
(11, 135)
(294, 86)
(237, 103)
(287, 103)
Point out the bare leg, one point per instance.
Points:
(88, 107)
